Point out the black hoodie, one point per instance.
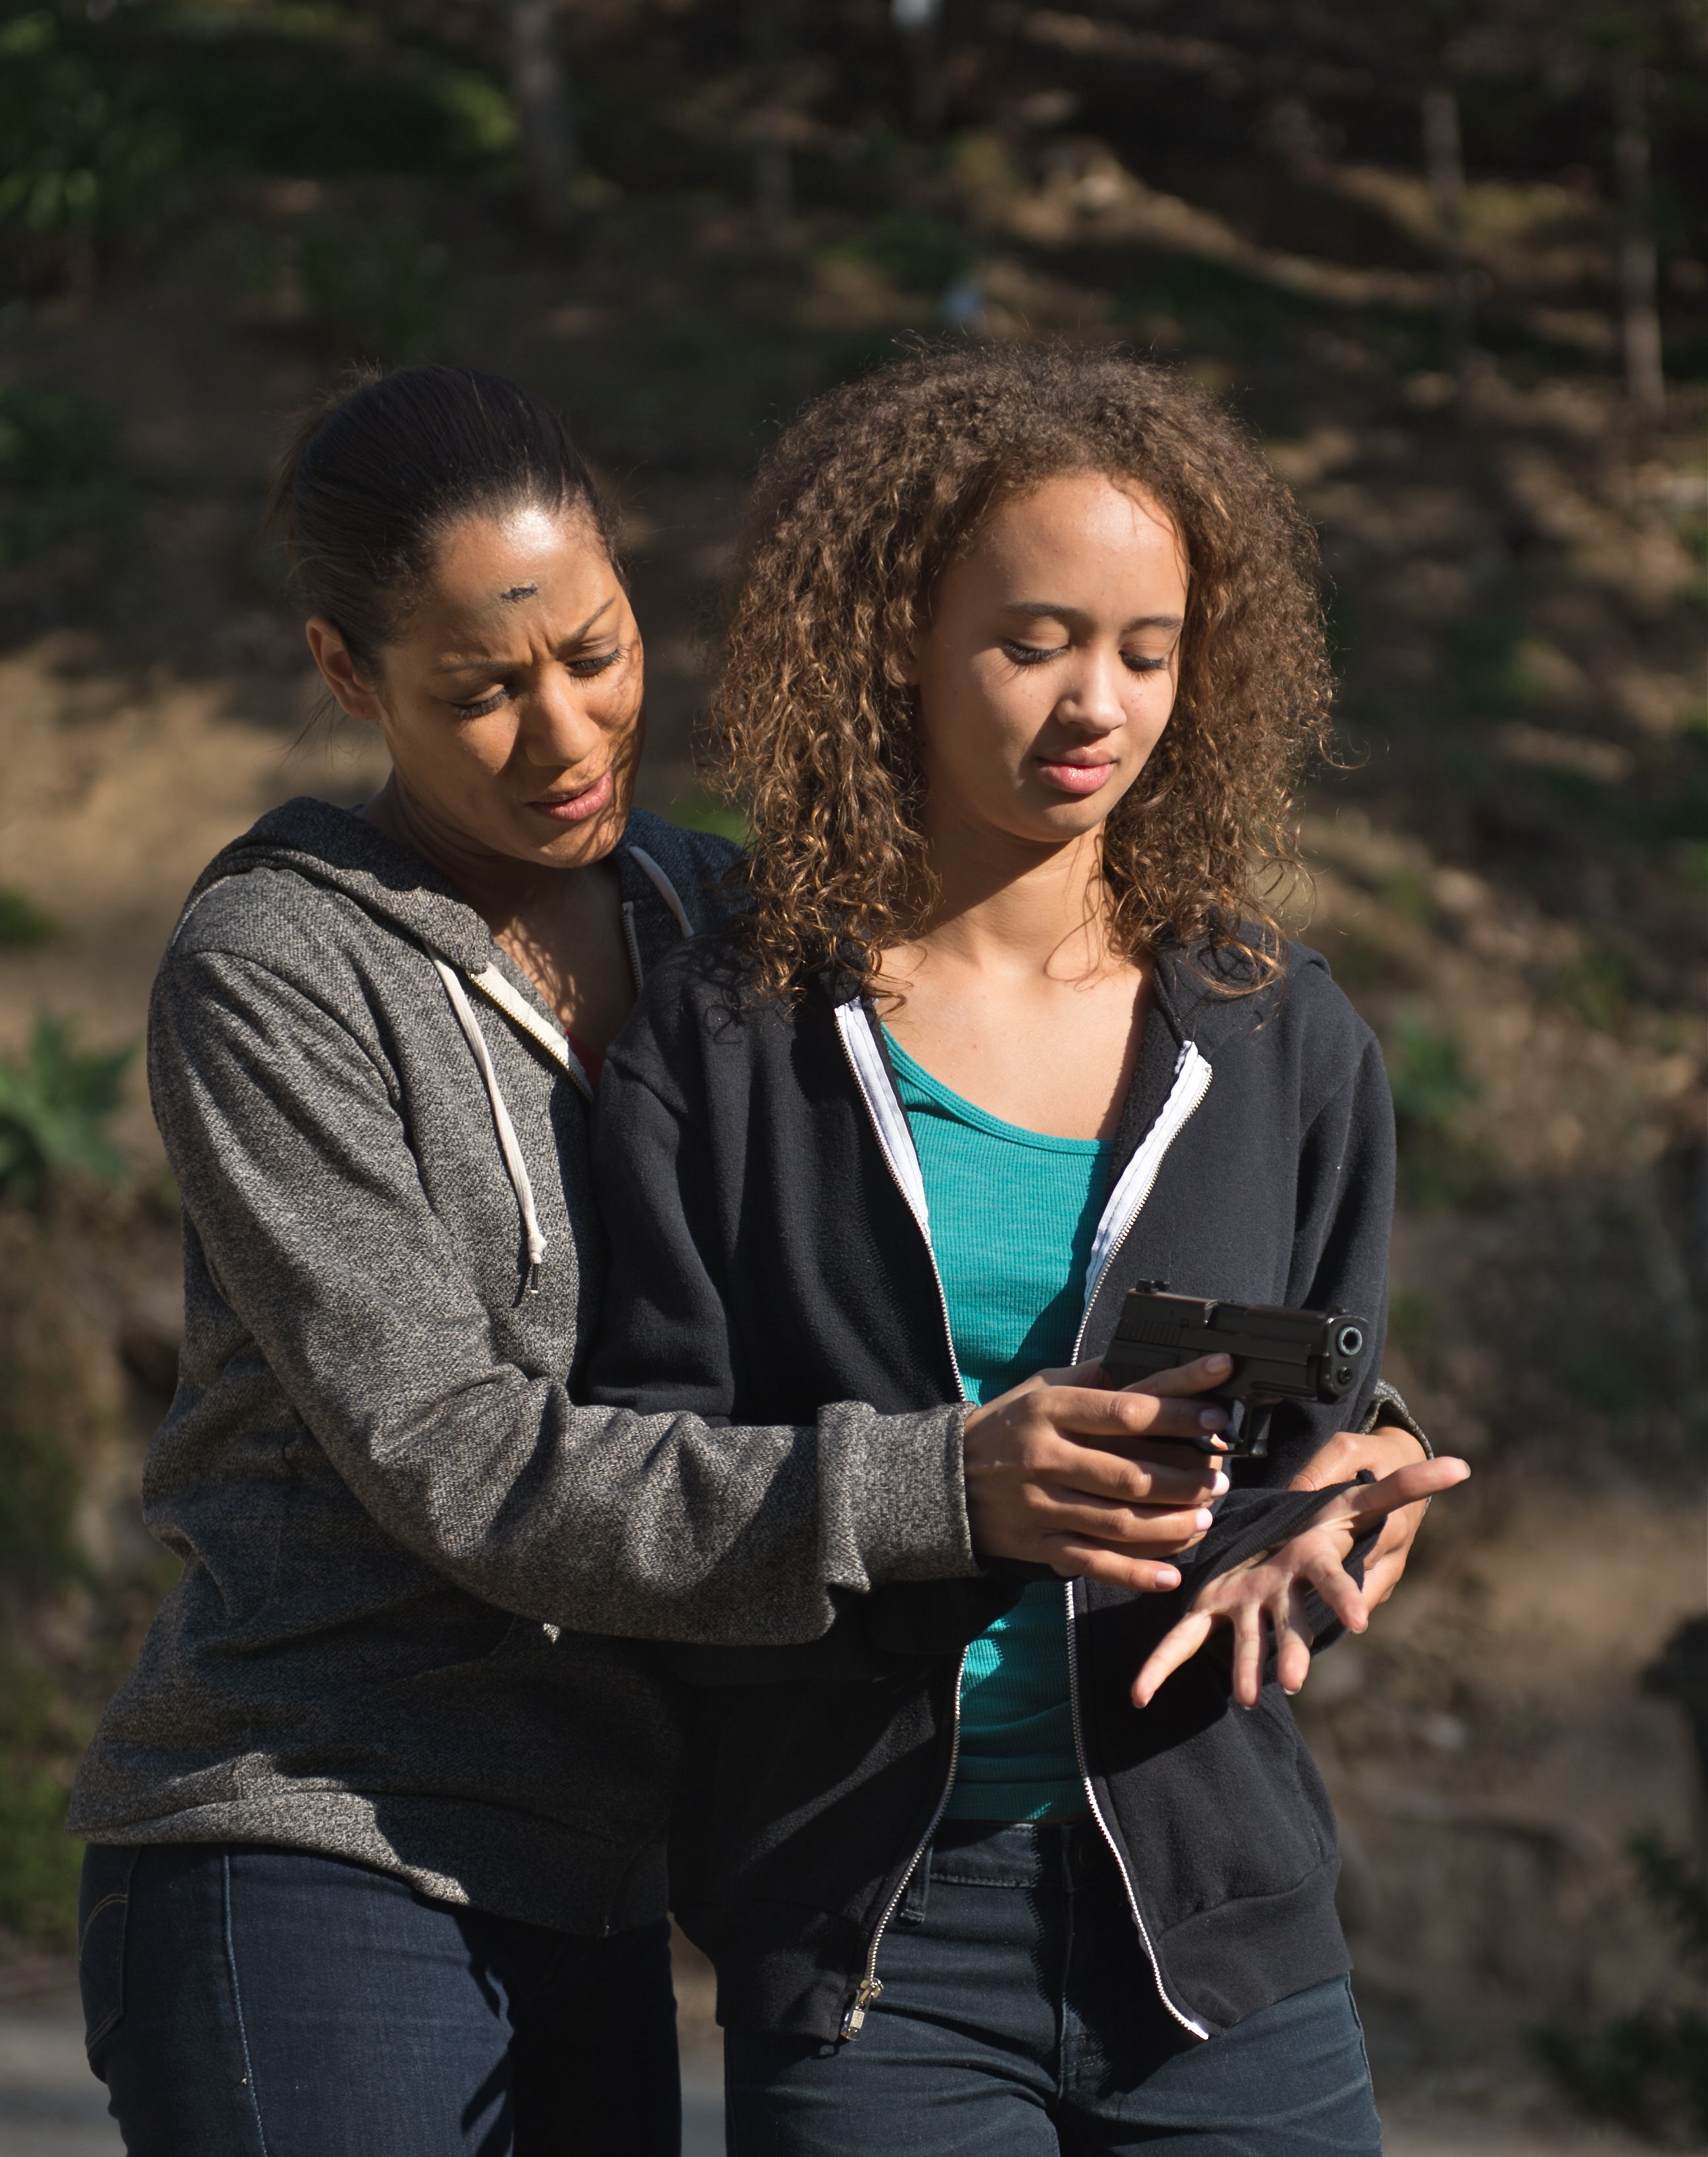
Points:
(770, 1252)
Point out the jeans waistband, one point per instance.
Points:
(1012, 1853)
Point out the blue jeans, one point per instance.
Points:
(1019, 2019)
(250, 2002)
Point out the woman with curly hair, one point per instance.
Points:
(1024, 660)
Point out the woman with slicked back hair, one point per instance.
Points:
(375, 1824)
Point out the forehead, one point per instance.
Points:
(1082, 514)
(486, 569)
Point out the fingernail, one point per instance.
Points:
(1211, 1418)
(1218, 1362)
(1291, 1691)
(1167, 1576)
(1220, 1484)
(1203, 1520)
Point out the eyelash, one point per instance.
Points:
(1029, 654)
(583, 670)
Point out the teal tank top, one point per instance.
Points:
(1014, 1214)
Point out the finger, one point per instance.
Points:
(1363, 1504)
(1115, 1479)
(1381, 1577)
(1177, 1646)
(1200, 1376)
(1248, 1642)
(1092, 1374)
(1100, 1470)
(1157, 1533)
(1079, 1559)
(1292, 1643)
(1114, 1417)
(1338, 1589)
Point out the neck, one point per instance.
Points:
(1012, 906)
(501, 889)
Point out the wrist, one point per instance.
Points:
(1387, 1413)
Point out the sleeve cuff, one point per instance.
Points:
(1389, 1407)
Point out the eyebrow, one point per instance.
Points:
(1039, 609)
(575, 635)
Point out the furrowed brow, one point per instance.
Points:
(480, 664)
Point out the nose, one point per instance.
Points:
(557, 732)
(1093, 700)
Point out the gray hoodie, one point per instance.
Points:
(399, 1531)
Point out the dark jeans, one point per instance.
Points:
(1019, 2019)
(250, 2002)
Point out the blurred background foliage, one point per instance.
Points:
(1450, 261)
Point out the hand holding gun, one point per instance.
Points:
(1314, 1356)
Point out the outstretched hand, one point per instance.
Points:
(1264, 1598)
(1057, 1473)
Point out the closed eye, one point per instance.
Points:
(478, 710)
(1136, 663)
(1032, 655)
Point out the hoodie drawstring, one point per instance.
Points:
(512, 1151)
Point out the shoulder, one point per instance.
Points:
(696, 1004)
(1299, 1021)
(702, 867)
(270, 914)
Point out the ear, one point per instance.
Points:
(338, 671)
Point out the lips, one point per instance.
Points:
(1076, 778)
(565, 807)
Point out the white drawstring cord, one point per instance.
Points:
(512, 1151)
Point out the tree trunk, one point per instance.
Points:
(1644, 376)
(540, 89)
(1444, 161)
(774, 189)
(916, 25)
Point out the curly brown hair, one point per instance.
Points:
(858, 509)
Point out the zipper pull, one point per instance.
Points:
(854, 2021)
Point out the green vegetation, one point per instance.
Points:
(56, 483)
(86, 147)
(918, 252)
(23, 924)
(379, 294)
(698, 811)
(1647, 2071)
(38, 1861)
(56, 1102)
(1430, 1090)
(1493, 674)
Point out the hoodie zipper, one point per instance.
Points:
(1200, 1084)
(870, 1986)
(1186, 2021)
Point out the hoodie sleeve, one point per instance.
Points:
(1344, 1213)
(310, 1218)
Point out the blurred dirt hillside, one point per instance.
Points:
(1452, 263)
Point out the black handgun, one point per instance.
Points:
(1277, 1355)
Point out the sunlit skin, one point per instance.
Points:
(1045, 678)
(510, 704)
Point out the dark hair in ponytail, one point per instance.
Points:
(372, 479)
